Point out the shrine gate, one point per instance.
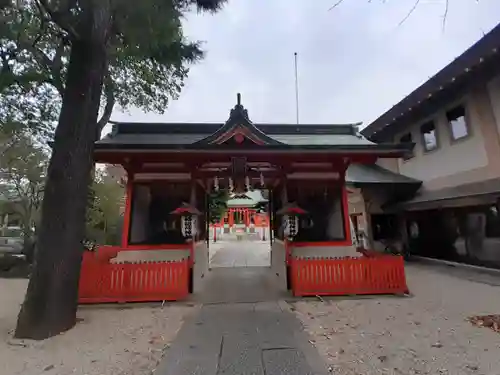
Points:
(173, 168)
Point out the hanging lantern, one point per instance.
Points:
(231, 186)
(187, 226)
(293, 225)
(188, 219)
(247, 183)
(291, 212)
(261, 179)
(216, 183)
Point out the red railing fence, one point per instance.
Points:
(348, 276)
(103, 282)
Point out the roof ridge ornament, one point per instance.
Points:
(357, 132)
(238, 109)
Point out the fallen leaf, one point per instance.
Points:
(490, 321)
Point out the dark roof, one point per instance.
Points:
(207, 128)
(480, 60)
(210, 136)
(373, 174)
(429, 199)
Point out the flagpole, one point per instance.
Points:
(296, 89)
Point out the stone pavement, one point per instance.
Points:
(226, 253)
(242, 339)
(243, 326)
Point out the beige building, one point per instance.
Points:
(454, 121)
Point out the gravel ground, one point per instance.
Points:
(423, 334)
(107, 340)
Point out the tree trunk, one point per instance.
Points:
(51, 300)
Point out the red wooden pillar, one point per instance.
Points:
(231, 218)
(128, 209)
(345, 212)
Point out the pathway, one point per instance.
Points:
(227, 253)
(243, 326)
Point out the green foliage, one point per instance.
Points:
(23, 166)
(104, 221)
(147, 56)
(217, 205)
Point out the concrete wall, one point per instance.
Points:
(471, 159)
(201, 263)
(278, 266)
(139, 229)
(442, 162)
(494, 92)
(366, 202)
(391, 164)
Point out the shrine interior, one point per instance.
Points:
(152, 221)
(324, 217)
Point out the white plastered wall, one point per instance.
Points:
(335, 229)
(335, 226)
(139, 224)
(324, 251)
(139, 256)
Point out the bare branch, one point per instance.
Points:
(445, 15)
(336, 5)
(410, 12)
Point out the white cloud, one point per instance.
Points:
(354, 61)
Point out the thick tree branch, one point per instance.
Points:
(56, 67)
(61, 18)
(110, 103)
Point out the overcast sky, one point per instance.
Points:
(355, 62)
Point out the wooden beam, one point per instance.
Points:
(198, 158)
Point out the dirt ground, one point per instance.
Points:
(107, 341)
(427, 333)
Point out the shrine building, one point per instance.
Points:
(172, 168)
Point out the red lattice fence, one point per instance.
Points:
(102, 282)
(346, 276)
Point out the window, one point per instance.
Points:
(429, 136)
(457, 123)
(407, 138)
